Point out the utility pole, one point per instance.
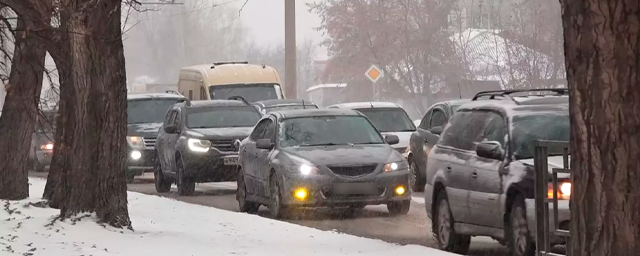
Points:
(290, 88)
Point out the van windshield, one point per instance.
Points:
(250, 92)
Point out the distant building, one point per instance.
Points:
(481, 14)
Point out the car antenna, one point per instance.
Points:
(371, 104)
(459, 91)
(303, 106)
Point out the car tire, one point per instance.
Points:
(162, 184)
(186, 187)
(276, 209)
(519, 238)
(443, 228)
(399, 207)
(416, 181)
(241, 197)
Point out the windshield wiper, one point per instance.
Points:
(327, 144)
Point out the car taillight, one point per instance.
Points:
(564, 190)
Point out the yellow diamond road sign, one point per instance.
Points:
(373, 73)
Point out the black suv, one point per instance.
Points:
(145, 113)
(425, 136)
(480, 176)
(198, 142)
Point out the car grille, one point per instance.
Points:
(353, 171)
(149, 142)
(224, 145)
(328, 193)
(401, 150)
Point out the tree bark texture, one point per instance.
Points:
(602, 51)
(20, 111)
(88, 172)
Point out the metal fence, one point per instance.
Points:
(544, 228)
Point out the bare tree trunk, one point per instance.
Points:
(20, 112)
(602, 55)
(88, 166)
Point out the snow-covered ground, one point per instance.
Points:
(168, 227)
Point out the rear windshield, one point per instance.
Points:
(222, 117)
(251, 92)
(389, 119)
(148, 110)
(528, 128)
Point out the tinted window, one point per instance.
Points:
(259, 130)
(438, 118)
(389, 119)
(250, 92)
(148, 110)
(218, 117)
(464, 130)
(495, 130)
(328, 130)
(539, 126)
(424, 124)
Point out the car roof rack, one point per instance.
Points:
(228, 63)
(240, 98)
(507, 93)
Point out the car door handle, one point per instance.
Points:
(426, 140)
(244, 150)
(448, 168)
(474, 174)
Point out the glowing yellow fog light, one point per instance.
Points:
(301, 193)
(400, 190)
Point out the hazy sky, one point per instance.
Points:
(265, 19)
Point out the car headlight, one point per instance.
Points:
(306, 169)
(135, 142)
(197, 145)
(48, 146)
(396, 166)
(564, 190)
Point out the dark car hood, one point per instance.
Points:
(144, 130)
(339, 155)
(220, 133)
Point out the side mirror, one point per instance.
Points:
(171, 129)
(490, 149)
(436, 130)
(392, 139)
(264, 144)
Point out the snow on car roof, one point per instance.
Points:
(280, 102)
(366, 104)
(139, 96)
(285, 114)
(215, 103)
(520, 105)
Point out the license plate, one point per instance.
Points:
(355, 188)
(231, 160)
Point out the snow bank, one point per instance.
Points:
(168, 227)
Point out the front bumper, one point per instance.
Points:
(141, 165)
(564, 216)
(319, 189)
(210, 166)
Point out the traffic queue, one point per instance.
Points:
(472, 158)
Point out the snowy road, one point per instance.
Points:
(373, 222)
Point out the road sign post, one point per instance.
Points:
(374, 74)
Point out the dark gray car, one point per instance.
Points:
(324, 157)
(425, 136)
(42, 140)
(199, 143)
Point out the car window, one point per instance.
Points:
(170, 116)
(328, 130)
(496, 129)
(270, 130)
(528, 128)
(222, 117)
(464, 130)
(389, 119)
(142, 111)
(438, 118)
(424, 124)
(259, 130)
